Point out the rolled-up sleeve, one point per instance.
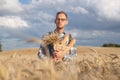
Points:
(41, 52)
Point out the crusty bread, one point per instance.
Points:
(72, 42)
(63, 47)
(63, 42)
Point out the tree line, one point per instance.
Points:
(110, 45)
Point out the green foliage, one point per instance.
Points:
(0, 47)
(111, 45)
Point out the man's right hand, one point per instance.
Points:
(58, 55)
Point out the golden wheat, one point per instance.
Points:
(51, 38)
(24, 65)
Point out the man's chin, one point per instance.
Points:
(60, 27)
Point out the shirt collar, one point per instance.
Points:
(55, 31)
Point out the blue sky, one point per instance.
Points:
(91, 22)
(25, 1)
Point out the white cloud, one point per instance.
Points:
(45, 3)
(12, 6)
(78, 10)
(48, 1)
(12, 22)
(109, 9)
(85, 34)
(45, 16)
(82, 34)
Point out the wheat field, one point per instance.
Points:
(92, 63)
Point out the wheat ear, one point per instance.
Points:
(35, 40)
(41, 42)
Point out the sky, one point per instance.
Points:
(91, 22)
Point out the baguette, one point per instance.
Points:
(72, 42)
(63, 42)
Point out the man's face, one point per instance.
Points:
(61, 21)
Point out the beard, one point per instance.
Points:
(60, 27)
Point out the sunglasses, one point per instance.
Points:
(62, 19)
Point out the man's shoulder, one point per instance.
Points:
(48, 33)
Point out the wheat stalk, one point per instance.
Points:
(51, 38)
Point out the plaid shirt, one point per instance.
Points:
(71, 55)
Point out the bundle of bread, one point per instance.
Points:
(63, 47)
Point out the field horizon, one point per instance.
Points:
(80, 49)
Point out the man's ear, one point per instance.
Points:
(67, 22)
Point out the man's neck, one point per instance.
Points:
(59, 30)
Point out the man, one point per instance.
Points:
(61, 21)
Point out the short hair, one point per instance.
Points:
(62, 12)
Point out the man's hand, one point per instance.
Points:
(58, 55)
